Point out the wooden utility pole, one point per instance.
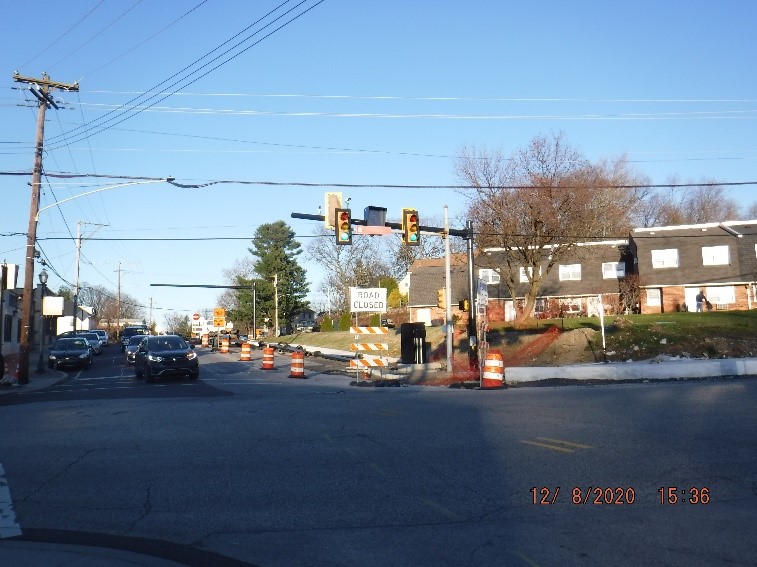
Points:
(40, 88)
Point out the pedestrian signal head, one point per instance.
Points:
(343, 229)
(411, 234)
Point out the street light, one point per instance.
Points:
(41, 362)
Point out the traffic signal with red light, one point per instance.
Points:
(343, 228)
(411, 234)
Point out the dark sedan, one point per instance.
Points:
(70, 352)
(131, 348)
(165, 355)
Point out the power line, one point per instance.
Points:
(125, 114)
(377, 185)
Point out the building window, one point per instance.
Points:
(665, 258)
(612, 270)
(721, 295)
(715, 255)
(654, 298)
(570, 272)
(488, 276)
(524, 275)
(7, 329)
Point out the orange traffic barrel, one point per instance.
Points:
(224, 346)
(205, 341)
(246, 355)
(493, 375)
(298, 365)
(267, 359)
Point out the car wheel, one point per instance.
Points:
(148, 375)
(195, 375)
(137, 373)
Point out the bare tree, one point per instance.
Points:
(346, 266)
(751, 212)
(540, 202)
(701, 204)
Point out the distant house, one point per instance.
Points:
(659, 269)
(676, 262)
(304, 319)
(571, 287)
(426, 278)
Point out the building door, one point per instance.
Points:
(690, 296)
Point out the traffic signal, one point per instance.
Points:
(463, 305)
(343, 229)
(411, 234)
(441, 297)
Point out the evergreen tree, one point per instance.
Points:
(276, 251)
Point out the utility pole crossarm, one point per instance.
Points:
(46, 82)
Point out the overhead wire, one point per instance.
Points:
(128, 113)
(65, 33)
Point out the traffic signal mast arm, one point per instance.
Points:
(394, 225)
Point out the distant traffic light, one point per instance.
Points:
(463, 305)
(441, 298)
(343, 228)
(411, 234)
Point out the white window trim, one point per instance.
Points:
(666, 258)
(522, 272)
(613, 270)
(570, 272)
(654, 297)
(488, 275)
(716, 255)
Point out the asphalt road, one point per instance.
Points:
(246, 465)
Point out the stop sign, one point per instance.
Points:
(196, 316)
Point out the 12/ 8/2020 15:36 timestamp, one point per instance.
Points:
(619, 496)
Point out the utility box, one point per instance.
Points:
(413, 345)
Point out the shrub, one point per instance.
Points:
(345, 322)
(327, 325)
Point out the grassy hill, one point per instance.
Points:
(717, 334)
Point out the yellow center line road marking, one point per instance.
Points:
(556, 444)
(568, 443)
(553, 447)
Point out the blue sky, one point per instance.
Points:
(352, 92)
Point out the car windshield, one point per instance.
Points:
(90, 336)
(66, 344)
(136, 340)
(167, 343)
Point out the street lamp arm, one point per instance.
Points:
(36, 218)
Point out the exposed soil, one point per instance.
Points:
(580, 346)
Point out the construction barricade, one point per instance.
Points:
(205, 342)
(493, 375)
(224, 346)
(246, 354)
(298, 365)
(267, 359)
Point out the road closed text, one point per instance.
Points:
(367, 300)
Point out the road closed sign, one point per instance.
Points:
(367, 300)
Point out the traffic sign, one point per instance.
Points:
(196, 316)
(219, 312)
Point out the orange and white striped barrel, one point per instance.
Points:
(205, 341)
(246, 354)
(267, 359)
(298, 365)
(224, 346)
(493, 375)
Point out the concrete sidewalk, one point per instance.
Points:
(660, 368)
